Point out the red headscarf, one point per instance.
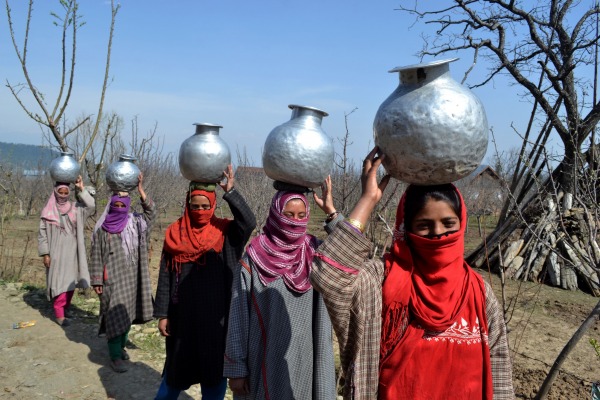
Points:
(195, 233)
(434, 331)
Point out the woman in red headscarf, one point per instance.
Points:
(419, 324)
(194, 288)
(279, 343)
(61, 243)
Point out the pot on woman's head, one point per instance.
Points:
(431, 129)
(204, 156)
(298, 151)
(123, 175)
(64, 168)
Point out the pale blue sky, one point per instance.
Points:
(234, 63)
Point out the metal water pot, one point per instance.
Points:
(204, 156)
(431, 129)
(298, 151)
(123, 175)
(64, 168)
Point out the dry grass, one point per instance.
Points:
(18, 250)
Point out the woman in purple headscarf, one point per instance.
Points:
(279, 341)
(119, 271)
(61, 243)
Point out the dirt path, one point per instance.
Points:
(47, 361)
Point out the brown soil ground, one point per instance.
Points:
(49, 362)
(541, 323)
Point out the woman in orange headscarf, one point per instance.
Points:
(194, 288)
(419, 324)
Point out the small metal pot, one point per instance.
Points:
(64, 168)
(204, 156)
(123, 175)
(298, 151)
(431, 129)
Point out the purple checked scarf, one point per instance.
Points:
(120, 220)
(117, 217)
(284, 249)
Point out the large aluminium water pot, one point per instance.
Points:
(431, 129)
(298, 151)
(123, 175)
(64, 168)
(204, 156)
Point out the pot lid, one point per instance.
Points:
(295, 106)
(434, 63)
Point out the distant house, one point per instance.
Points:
(483, 190)
(34, 173)
(485, 173)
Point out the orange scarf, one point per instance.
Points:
(434, 331)
(195, 233)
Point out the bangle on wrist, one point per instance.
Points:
(331, 217)
(357, 224)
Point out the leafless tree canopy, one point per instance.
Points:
(255, 186)
(547, 48)
(48, 113)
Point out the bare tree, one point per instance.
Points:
(505, 163)
(345, 180)
(255, 186)
(345, 177)
(161, 170)
(52, 115)
(8, 190)
(103, 147)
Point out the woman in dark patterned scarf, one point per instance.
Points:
(119, 270)
(279, 343)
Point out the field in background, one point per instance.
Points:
(19, 259)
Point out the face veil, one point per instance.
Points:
(284, 249)
(195, 232)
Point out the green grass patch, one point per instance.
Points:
(147, 338)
